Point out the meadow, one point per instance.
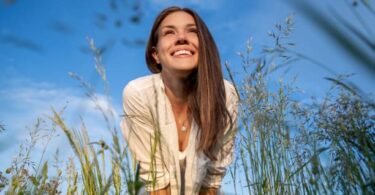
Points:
(325, 145)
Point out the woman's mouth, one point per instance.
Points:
(182, 52)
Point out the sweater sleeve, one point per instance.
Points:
(216, 169)
(143, 139)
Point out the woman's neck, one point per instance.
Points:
(175, 89)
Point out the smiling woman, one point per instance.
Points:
(180, 122)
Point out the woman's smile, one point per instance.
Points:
(182, 53)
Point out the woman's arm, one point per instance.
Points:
(216, 169)
(167, 191)
(164, 191)
(139, 131)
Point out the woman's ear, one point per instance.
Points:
(155, 55)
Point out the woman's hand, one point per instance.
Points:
(164, 191)
(167, 191)
(208, 191)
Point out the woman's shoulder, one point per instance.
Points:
(141, 87)
(142, 83)
(230, 91)
(229, 87)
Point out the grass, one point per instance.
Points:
(326, 146)
(286, 147)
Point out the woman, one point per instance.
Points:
(180, 121)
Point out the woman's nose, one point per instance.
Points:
(181, 38)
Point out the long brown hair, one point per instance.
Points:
(205, 86)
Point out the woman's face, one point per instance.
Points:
(177, 47)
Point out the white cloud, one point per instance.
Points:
(22, 101)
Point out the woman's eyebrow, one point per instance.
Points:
(191, 25)
(174, 27)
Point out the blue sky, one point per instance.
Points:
(41, 41)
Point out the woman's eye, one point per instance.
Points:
(193, 30)
(168, 32)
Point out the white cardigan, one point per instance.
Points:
(150, 130)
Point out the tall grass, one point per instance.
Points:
(89, 176)
(284, 146)
(287, 147)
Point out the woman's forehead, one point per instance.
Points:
(176, 19)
